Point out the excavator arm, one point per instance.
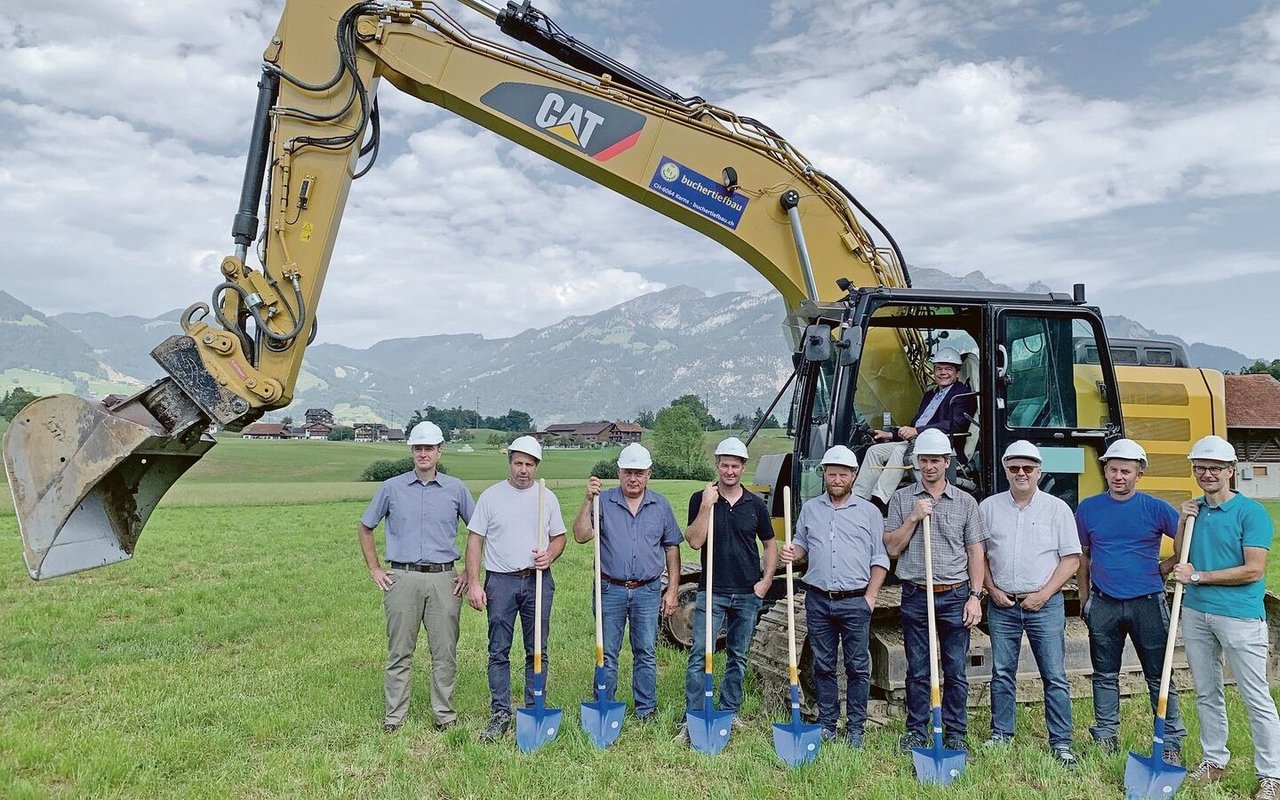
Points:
(85, 477)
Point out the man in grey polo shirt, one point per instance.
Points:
(959, 565)
(1034, 549)
(503, 530)
(638, 540)
(842, 537)
(422, 589)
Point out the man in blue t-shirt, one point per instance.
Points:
(1122, 588)
(1224, 576)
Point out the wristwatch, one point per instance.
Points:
(981, 594)
(1195, 577)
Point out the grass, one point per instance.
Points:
(240, 655)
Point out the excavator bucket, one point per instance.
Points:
(85, 476)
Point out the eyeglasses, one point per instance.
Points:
(1209, 470)
(1021, 469)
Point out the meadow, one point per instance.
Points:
(239, 655)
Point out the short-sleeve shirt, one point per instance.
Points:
(1217, 542)
(1123, 538)
(1025, 545)
(633, 546)
(422, 518)
(504, 516)
(843, 543)
(956, 524)
(737, 528)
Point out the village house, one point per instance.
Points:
(593, 432)
(266, 430)
(1253, 428)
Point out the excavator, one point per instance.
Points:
(86, 476)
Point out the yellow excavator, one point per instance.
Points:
(86, 476)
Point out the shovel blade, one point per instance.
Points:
(536, 726)
(1146, 778)
(796, 744)
(937, 764)
(709, 730)
(602, 720)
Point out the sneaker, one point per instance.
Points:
(854, 740)
(828, 734)
(1268, 789)
(1065, 757)
(498, 725)
(954, 742)
(911, 740)
(1172, 756)
(740, 724)
(1208, 772)
(682, 734)
(1109, 745)
(998, 740)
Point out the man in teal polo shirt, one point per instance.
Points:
(1224, 614)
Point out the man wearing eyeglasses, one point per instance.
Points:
(1032, 551)
(1224, 613)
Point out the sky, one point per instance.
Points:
(1133, 145)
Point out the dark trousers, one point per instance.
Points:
(953, 641)
(840, 623)
(509, 596)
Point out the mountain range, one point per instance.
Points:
(727, 348)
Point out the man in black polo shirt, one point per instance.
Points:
(740, 582)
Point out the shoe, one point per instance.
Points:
(391, 727)
(854, 740)
(1172, 756)
(498, 725)
(1268, 789)
(441, 727)
(1109, 745)
(954, 742)
(1207, 773)
(1065, 757)
(998, 740)
(828, 734)
(911, 740)
(682, 734)
(740, 724)
(645, 719)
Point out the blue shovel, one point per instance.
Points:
(602, 720)
(796, 742)
(1151, 778)
(709, 729)
(934, 764)
(536, 725)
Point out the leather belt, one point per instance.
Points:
(629, 584)
(938, 588)
(527, 572)
(444, 566)
(840, 595)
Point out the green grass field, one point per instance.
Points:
(240, 655)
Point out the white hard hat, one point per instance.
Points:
(840, 456)
(1021, 449)
(1213, 448)
(732, 446)
(527, 445)
(1126, 449)
(932, 442)
(635, 456)
(426, 433)
(948, 355)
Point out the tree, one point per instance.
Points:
(14, 401)
(677, 437)
(287, 420)
(496, 440)
(645, 418)
(342, 433)
(1261, 367)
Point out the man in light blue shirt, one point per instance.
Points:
(423, 587)
(841, 536)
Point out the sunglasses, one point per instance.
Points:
(1021, 469)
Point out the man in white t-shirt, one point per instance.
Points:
(502, 529)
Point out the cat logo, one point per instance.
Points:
(593, 126)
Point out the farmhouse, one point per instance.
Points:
(266, 430)
(1253, 428)
(594, 432)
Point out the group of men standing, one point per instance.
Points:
(1015, 550)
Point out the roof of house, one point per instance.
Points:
(317, 425)
(1253, 401)
(579, 428)
(395, 434)
(629, 427)
(265, 429)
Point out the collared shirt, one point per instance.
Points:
(505, 516)
(1026, 544)
(737, 527)
(843, 543)
(1123, 538)
(956, 524)
(935, 403)
(1218, 541)
(633, 546)
(422, 518)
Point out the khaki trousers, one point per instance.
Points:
(421, 600)
(881, 471)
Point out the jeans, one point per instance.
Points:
(1046, 633)
(953, 639)
(510, 596)
(1244, 641)
(834, 623)
(639, 608)
(740, 611)
(1146, 622)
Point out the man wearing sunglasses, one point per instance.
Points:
(1224, 613)
(1032, 551)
